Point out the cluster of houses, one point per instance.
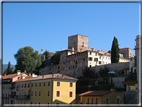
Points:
(52, 86)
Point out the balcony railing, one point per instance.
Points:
(5, 98)
(22, 97)
(13, 96)
(134, 64)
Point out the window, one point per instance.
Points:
(117, 100)
(38, 102)
(71, 84)
(83, 59)
(99, 62)
(32, 84)
(18, 102)
(82, 44)
(22, 86)
(90, 66)
(58, 94)
(35, 84)
(92, 100)
(35, 102)
(21, 102)
(70, 94)
(90, 53)
(88, 100)
(40, 84)
(48, 83)
(44, 84)
(35, 93)
(39, 93)
(90, 58)
(132, 88)
(58, 83)
(24, 102)
(28, 85)
(31, 93)
(48, 93)
(96, 100)
(25, 85)
(100, 57)
(106, 100)
(96, 54)
(69, 67)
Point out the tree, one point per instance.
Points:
(115, 51)
(9, 69)
(103, 72)
(55, 59)
(27, 59)
(88, 72)
(47, 55)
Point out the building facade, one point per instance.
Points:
(78, 56)
(102, 97)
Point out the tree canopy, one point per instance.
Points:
(27, 59)
(88, 72)
(115, 51)
(9, 69)
(55, 59)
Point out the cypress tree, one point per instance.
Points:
(115, 51)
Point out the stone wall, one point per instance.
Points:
(118, 82)
(113, 66)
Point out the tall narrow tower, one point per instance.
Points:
(79, 42)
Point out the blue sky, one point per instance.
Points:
(48, 25)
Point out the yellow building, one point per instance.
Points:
(124, 60)
(102, 97)
(52, 89)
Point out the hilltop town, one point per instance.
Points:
(84, 75)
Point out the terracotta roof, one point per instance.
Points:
(9, 76)
(94, 93)
(55, 76)
(51, 53)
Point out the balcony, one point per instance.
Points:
(22, 97)
(13, 88)
(12, 96)
(134, 65)
(5, 98)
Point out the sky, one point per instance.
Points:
(48, 25)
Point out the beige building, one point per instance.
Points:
(78, 56)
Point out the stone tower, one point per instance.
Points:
(79, 42)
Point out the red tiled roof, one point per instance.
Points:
(94, 93)
(51, 53)
(55, 76)
(9, 76)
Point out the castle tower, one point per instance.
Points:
(79, 42)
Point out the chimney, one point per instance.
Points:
(23, 77)
(18, 72)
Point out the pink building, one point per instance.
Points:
(8, 87)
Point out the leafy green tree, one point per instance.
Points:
(47, 55)
(115, 51)
(55, 59)
(9, 69)
(27, 59)
(103, 72)
(88, 72)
